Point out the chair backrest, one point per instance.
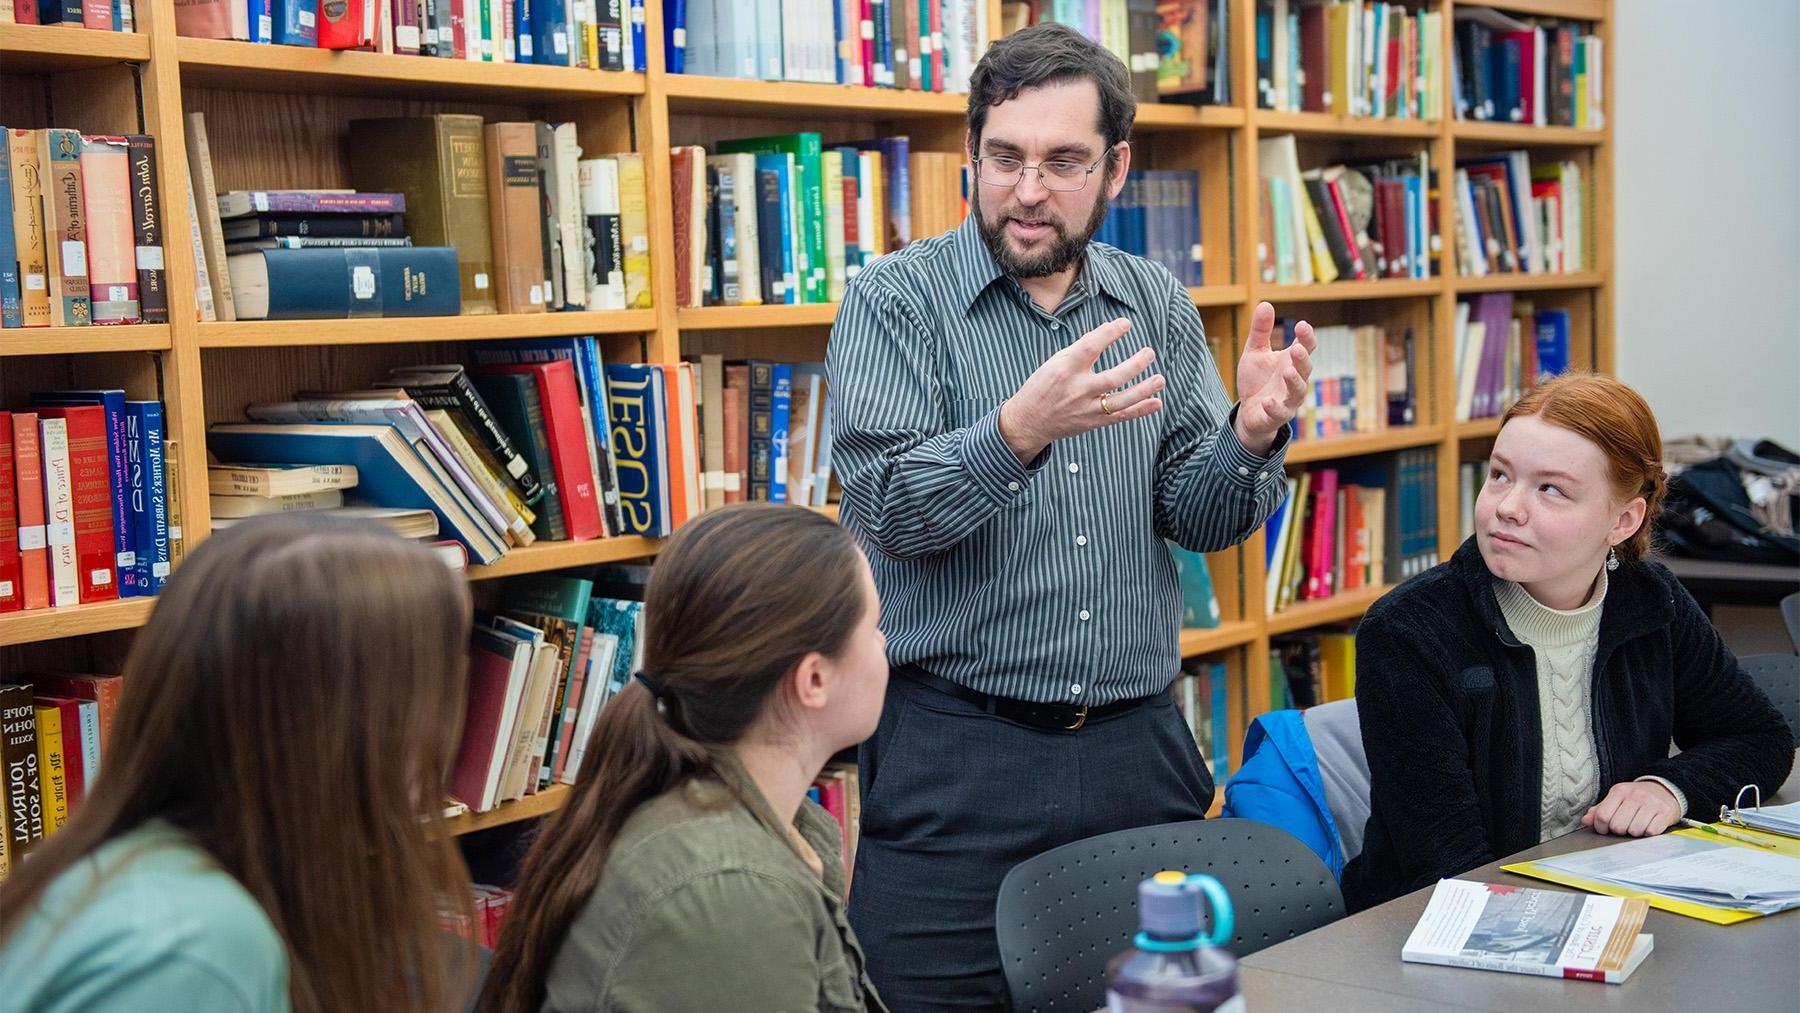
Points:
(1343, 769)
(1063, 914)
(1790, 614)
(1777, 675)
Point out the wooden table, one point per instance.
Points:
(1354, 964)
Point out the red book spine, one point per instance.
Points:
(90, 471)
(678, 453)
(28, 470)
(25, 11)
(568, 446)
(95, 14)
(936, 18)
(12, 591)
(572, 703)
(341, 24)
(1343, 217)
(867, 30)
(102, 689)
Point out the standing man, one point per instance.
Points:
(1013, 471)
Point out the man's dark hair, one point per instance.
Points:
(1052, 53)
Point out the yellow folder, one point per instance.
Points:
(1788, 846)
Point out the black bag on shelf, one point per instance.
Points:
(1709, 515)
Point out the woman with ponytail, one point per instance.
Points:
(688, 870)
(1533, 685)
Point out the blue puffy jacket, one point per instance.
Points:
(1281, 782)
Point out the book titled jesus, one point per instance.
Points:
(1551, 933)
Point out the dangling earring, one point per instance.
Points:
(1612, 560)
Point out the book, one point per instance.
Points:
(319, 284)
(517, 217)
(234, 507)
(278, 479)
(21, 791)
(147, 230)
(11, 585)
(439, 163)
(65, 227)
(53, 779)
(92, 508)
(205, 196)
(243, 203)
(1525, 931)
(638, 427)
(561, 405)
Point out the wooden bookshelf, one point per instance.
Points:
(53, 49)
(530, 807)
(277, 113)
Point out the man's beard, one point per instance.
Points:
(1061, 254)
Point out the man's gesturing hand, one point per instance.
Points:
(1063, 397)
(1272, 384)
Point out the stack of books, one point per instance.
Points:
(89, 500)
(594, 34)
(101, 15)
(51, 731)
(80, 229)
(1513, 217)
(1537, 71)
(1342, 222)
(786, 220)
(1349, 58)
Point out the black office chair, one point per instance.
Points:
(1778, 675)
(1790, 614)
(1062, 915)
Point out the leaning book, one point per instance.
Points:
(1492, 927)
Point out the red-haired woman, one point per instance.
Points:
(1534, 683)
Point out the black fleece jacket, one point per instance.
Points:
(1448, 701)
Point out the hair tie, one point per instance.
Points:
(657, 693)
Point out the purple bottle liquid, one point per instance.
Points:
(1172, 967)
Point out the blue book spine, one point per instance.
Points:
(1552, 342)
(149, 494)
(524, 36)
(675, 35)
(768, 40)
(1220, 708)
(262, 21)
(634, 391)
(780, 413)
(112, 402)
(884, 43)
(773, 169)
(334, 283)
(297, 23)
(638, 42)
(11, 314)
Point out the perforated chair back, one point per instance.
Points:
(1063, 914)
(1777, 675)
(1790, 614)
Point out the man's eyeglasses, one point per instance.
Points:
(1060, 174)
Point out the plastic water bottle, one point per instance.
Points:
(1172, 967)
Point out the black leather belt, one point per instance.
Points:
(1055, 717)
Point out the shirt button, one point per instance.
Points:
(1243, 470)
(1080, 539)
(1086, 615)
(1012, 486)
(1264, 476)
(1075, 689)
(1055, 325)
(1073, 467)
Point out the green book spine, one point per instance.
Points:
(514, 399)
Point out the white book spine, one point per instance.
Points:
(59, 513)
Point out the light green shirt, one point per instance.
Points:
(148, 924)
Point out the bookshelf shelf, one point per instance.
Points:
(1219, 295)
(1524, 134)
(74, 621)
(1380, 442)
(1224, 637)
(1270, 121)
(296, 333)
(1476, 429)
(50, 49)
(1307, 614)
(1387, 288)
(1530, 282)
(78, 340)
(1579, 10)
(688, 93)
(531, 806)
(1171, 116)
(241, 65)
(559, 555)
(713, 318)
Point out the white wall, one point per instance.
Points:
(1707, 126)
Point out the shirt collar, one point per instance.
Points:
(976, 268)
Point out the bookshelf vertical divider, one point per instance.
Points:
(649, 103)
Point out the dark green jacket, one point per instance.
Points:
(706, 905)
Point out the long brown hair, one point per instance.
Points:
(293, 704)
(1619, 421)
(737, 599)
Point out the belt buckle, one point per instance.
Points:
(1081, 716)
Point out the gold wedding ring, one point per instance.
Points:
(1105, 408)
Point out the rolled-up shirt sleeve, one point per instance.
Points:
(914, 483)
